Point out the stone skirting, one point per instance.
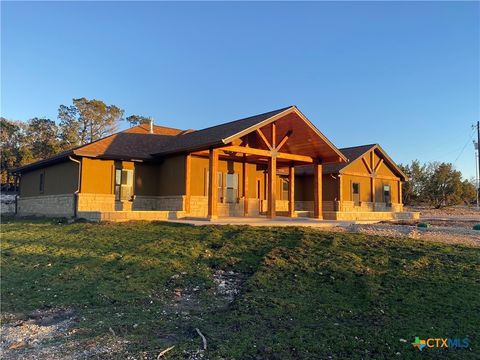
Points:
(199, 207)
(365, 206)
(161, 203)
(47, 205)
(281, 205)
(303, 205)
(118, 216)
(96, 202)
(253, 207)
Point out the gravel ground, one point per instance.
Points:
(460, 212)
(44, 335)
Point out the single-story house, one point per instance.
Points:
(268, 164)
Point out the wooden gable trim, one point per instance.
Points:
(367, 165)
(272, 119)
(257, 126)
(264, 138)
(391, 163)
(267, 153)
(380, 162)
(401, 174)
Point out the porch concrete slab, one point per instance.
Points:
(263, 221)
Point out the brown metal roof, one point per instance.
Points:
(212, 136)
(136, 143)
(352, 154)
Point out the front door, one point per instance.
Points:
(356, 194)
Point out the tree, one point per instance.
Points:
(444, 186)
(469, 192)
(26, 142)
(9, 142)
(412, 190)
(87, 120)
(71, 134)
(138, 120)
(42, 136)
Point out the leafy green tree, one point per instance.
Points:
(412, 190)
(469, 192)
(42, 136)
(87, 120)
(444, 185)
(71, 134)
(135, 120)
(9, 142)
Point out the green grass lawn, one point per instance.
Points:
(305, 294)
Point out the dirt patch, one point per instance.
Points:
(46, 334)
(228, 284)
(30, 330)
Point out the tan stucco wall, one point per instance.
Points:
(155, 179)
(97, 176)
(58, 179)
(304, 188)
(329, 188)
(171, 180)
(358, 166)
(365, 191)
(147, 179)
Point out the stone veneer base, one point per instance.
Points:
(118, 216)
(46, 205)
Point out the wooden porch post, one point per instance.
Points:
(245, 186)
(372, 184)
(212, 184)
(317, 190)
(272, 186)
(291, 191)
(340, 193)
(400, 199)
(188, 165)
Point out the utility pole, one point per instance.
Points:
(477, 161)
(477, 181)
(478, 143)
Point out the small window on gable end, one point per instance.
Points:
(387, 195)
(42, 182)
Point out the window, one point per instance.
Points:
(356, 194)
(386, 194)
(285, 186)
(42, 182)
(232, 188)
(123, 184)
(220, 187)
(356, 188)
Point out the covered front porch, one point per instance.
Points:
(252, 172)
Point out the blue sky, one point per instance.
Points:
(405, 75)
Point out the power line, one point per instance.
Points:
(464, 146)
